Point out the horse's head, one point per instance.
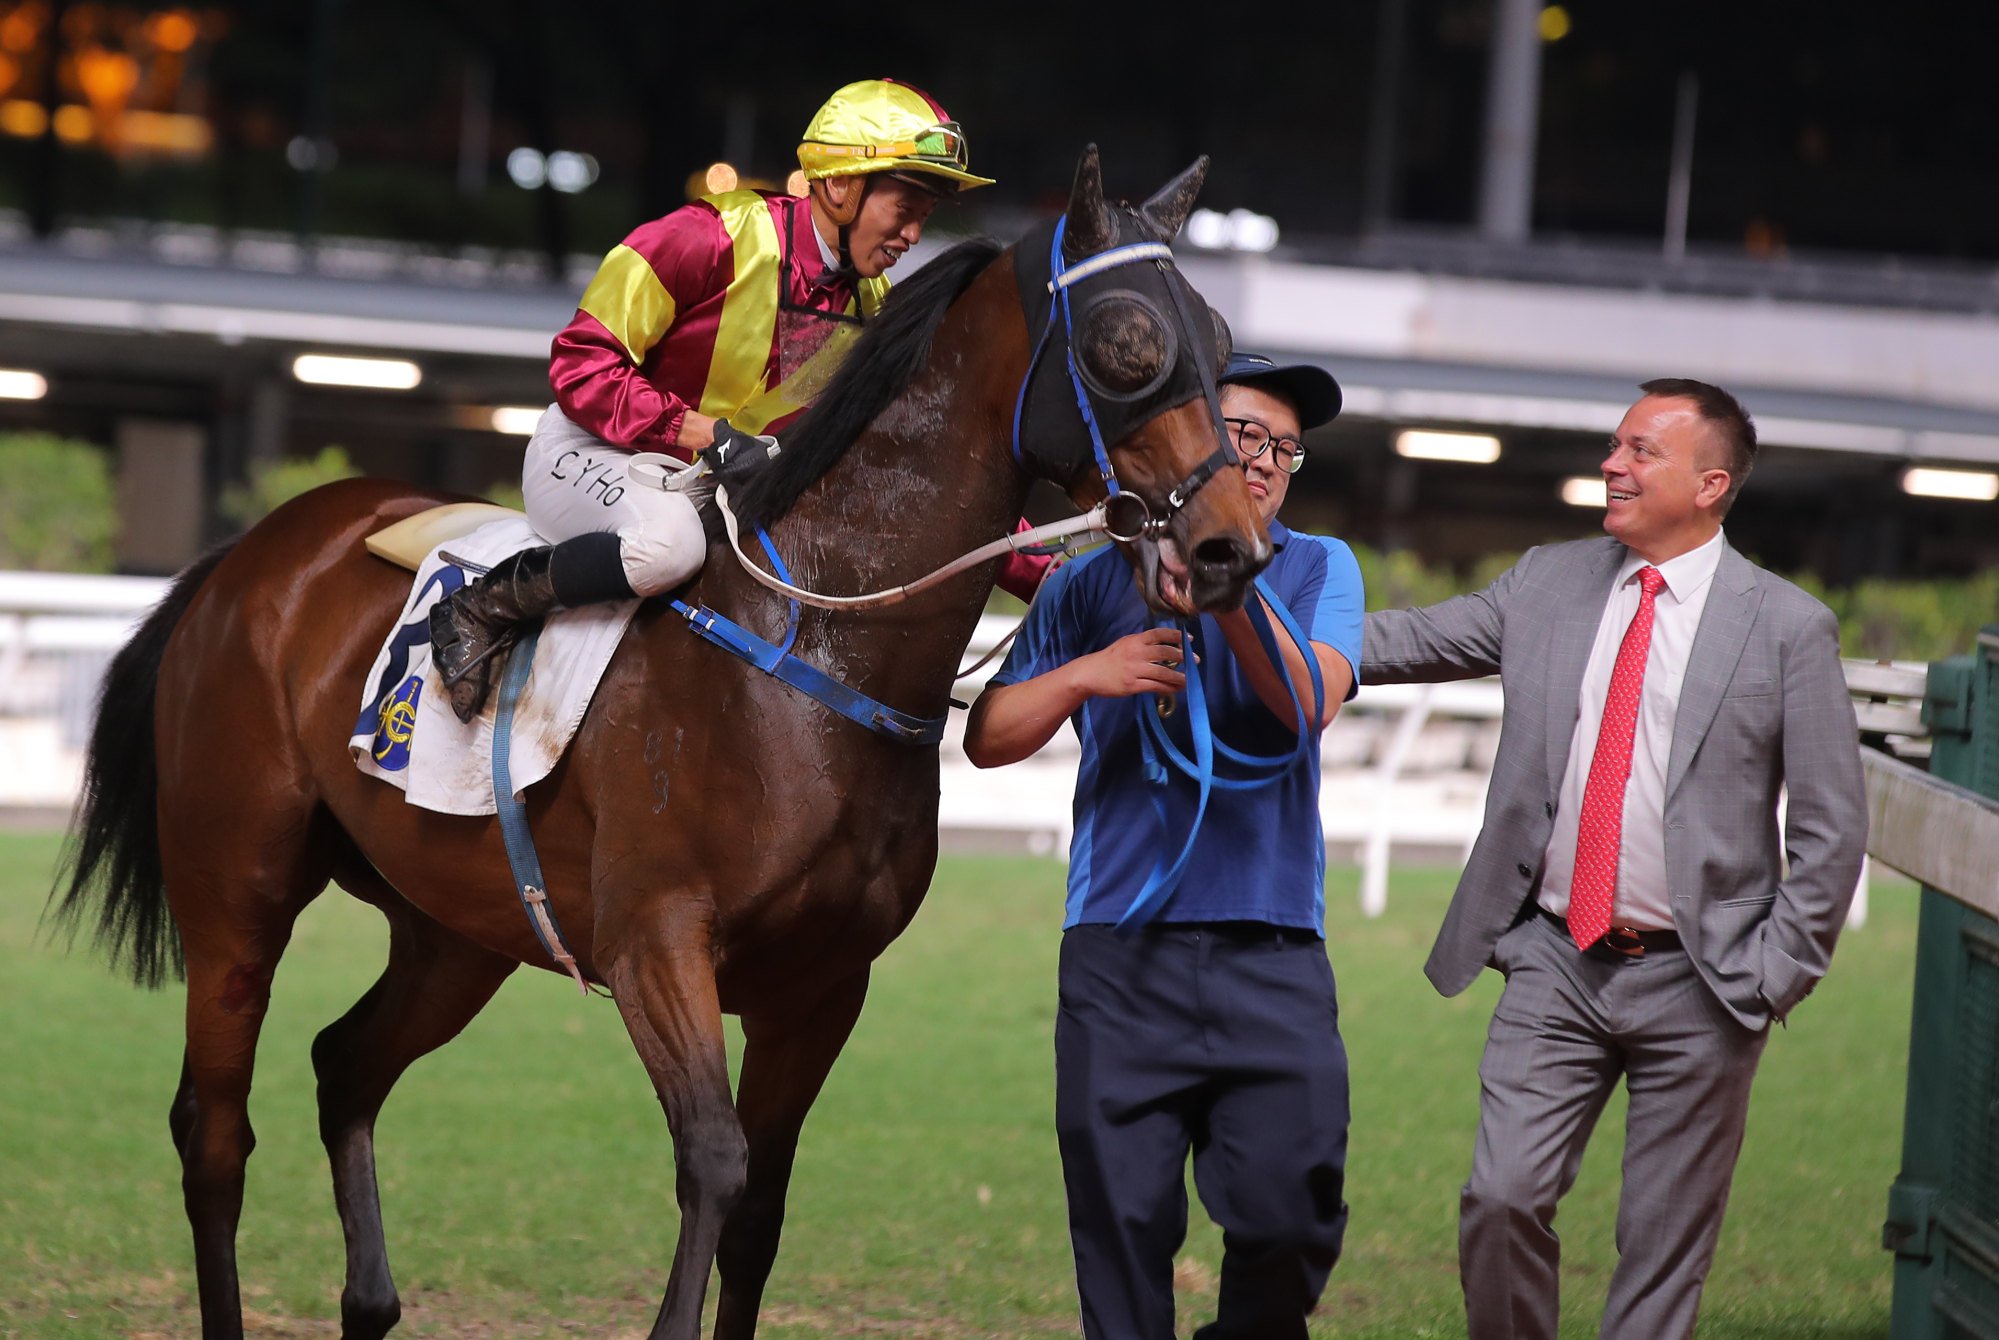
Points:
(1121, 397)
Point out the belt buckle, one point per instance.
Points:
(1624, 942)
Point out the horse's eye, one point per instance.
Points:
(1124, 345)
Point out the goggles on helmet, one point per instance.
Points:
(942, 144)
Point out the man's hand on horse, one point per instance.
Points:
(735, 455)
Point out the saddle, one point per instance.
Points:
(405, 732)
(409, 541)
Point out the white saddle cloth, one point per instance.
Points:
(406, 733)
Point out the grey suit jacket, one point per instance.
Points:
(1763, 704)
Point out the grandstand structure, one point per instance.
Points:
(176, 347)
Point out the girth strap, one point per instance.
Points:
(528, 880)
(809, 679)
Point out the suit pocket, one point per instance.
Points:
(1760, 900)
(1750, 688)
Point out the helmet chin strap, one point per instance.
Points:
(843, 219)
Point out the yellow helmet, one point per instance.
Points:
(880, 125)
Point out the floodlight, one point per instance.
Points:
(1585, 491)
(20, 384)
(519, 420)
(1968, 485)
(1424, 444)
(381, 374)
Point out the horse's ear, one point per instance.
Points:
(1089, 229)
(1169, 208)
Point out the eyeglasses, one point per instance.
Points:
(1252, 439)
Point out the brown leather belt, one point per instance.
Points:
(1620, 943)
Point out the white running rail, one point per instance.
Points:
(1405, 764)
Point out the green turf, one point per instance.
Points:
(527, 1177)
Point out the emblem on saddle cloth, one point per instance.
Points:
(392, 710)
(405, 732)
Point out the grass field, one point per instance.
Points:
(527, 1175)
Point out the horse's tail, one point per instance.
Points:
(112, 857)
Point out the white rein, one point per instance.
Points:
(1089, 523)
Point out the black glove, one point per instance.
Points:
(735, 455)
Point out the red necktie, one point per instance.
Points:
(1601, 830)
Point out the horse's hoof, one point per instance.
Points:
(368, 1318)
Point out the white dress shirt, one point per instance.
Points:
(1642, 901)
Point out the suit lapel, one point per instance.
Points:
(1573, 633)
(1732, 603)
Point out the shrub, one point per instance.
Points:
(274, 483)
(58, 506)
(1397, 579)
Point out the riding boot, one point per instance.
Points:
(472, 628)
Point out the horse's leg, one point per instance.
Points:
(661, 970)
(786, 1057)
(435, 982)
(234, 903)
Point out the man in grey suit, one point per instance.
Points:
(1631, 881)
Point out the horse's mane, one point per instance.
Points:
(890, 352)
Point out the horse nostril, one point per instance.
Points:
(1223, 553)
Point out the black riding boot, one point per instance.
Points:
(471, 629)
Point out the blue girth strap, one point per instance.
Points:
(528, 880)
(810, 680)
(779, 663)
(1260, 770)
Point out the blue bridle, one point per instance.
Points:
(1128, 516)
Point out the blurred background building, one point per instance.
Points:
(1490, 218)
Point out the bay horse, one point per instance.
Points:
(713, 841)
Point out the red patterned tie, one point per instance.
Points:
(1601, 830)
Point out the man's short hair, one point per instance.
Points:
(1731, 423)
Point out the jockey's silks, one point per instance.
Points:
(718, 307)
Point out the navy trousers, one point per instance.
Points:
(1222, 1039)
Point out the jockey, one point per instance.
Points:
(701, 333)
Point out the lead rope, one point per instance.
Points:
(1164, 881)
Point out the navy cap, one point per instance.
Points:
(1310, 389)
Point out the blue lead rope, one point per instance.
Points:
(1264, 769)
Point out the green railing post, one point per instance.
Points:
(1943, 1209)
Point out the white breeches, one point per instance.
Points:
(576, 484)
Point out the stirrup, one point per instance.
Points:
(506, 639)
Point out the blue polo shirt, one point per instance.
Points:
(1260, 855)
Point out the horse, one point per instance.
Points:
(713, 840)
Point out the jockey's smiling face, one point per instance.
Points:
(890, 222)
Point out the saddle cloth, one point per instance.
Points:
(406, 733)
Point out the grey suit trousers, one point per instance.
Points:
(1568, 1025)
